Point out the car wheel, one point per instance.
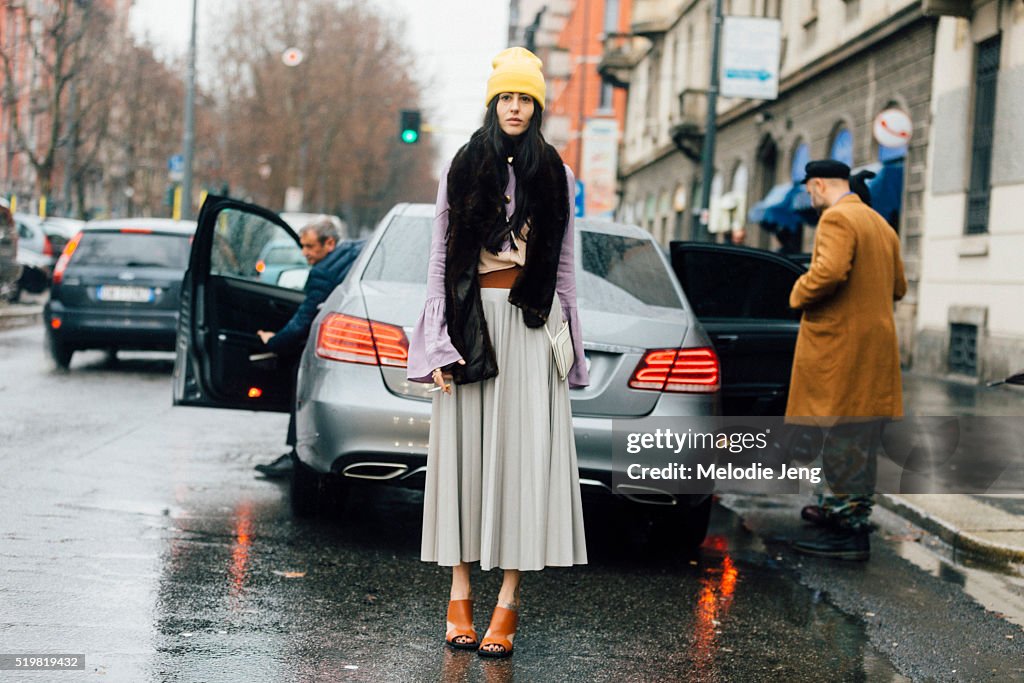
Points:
(312, 492)
(61, 353)
(695, 525)
(32, 280)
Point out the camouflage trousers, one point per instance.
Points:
(850, 463)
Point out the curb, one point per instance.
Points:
(960, 540)
(20, 316)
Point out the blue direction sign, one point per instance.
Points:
(749, 74)
(176, 167)
(579, 198)
(751, 52)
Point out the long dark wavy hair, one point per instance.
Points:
(527, 152)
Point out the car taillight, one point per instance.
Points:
(47, 246)
(357, 340)
(65, 257)
(678, 370)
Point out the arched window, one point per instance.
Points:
(739, 180)
(842, 146)
(801, 155)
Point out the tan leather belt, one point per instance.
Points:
(500, 279)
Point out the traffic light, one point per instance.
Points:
(409, 126)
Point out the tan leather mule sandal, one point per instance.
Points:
(460, 633)
(497, 641)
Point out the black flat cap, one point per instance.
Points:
(826, 168)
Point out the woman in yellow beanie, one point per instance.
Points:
(502, 483)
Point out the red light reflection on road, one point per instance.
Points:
(718, 587)
(240, 548)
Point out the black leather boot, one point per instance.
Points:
(278, 469)
(817, 515)
(838, 544)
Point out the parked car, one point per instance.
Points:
(116, 287)
(40, 243)
(740, 296)
(359, 418)
(279, 257)
(10, 270)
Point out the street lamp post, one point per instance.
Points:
(189, 142)
(710, 130)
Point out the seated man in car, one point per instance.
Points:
(330, 263)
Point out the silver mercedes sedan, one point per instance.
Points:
(359, 419)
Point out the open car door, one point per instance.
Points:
(244, 275)
(741, 297)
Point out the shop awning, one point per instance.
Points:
(775, 212)
(802, 206)
(887, 191)
(793, 203)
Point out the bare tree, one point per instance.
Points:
(144, 129)
(329, 125)
(66, 35)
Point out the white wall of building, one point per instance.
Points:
(980, 272)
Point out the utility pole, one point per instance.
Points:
(72, 142)
(710, 130)
(581, 115)
(189, 142)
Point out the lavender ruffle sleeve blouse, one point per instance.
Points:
(429, 344)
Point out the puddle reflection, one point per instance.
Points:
(240, 551)
(1002, 593)
(718, 587)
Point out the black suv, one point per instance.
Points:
(117, 286)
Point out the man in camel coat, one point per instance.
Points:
(846, 368)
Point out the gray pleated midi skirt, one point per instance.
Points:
(502, 482)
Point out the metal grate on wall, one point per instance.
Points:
(963, 349)
(986, 73)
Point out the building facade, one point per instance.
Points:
(33, 33)
(585, 114)
(842, 64)
(969, 321)
(21, 75)
(585, 119)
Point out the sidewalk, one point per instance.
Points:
(989, 526)
(20, 314)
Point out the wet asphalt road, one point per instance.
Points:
(136, 533)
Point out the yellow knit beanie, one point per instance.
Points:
(516, 70)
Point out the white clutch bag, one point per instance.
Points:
(561, 348)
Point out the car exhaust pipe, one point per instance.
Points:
(376, 471)
(416, 472)
(646, 495)
(595, 483)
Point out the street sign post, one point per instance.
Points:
(600, 154)
(176, 168)
(293, 56)
(751, 51)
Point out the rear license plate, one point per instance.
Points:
(122, 293)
